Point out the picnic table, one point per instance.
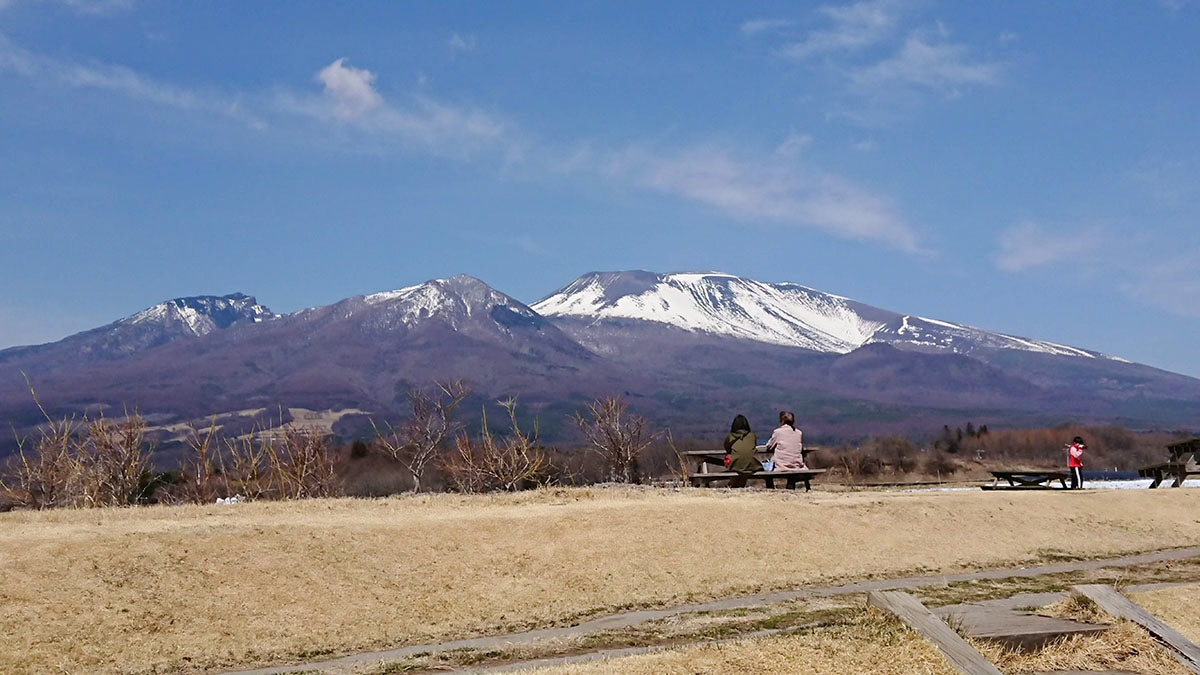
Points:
(1026, 479)
(1181, 465)
(702, 476)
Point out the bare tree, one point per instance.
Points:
(112, 458)
(498, 463)
(245, 467)
(301, 463)
(420, 440)
(201, 470)
(45, 476)
(619, 437)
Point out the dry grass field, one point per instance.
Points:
(1179, 606)
(202, 588)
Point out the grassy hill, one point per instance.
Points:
(206, 588)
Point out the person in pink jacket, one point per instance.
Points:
(787, 447)
(1075, 462)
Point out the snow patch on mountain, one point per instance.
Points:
(923, 333)
(776, 313)
(201, 315)
(456, 301)
(719, 304)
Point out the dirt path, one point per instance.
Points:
(627, 619)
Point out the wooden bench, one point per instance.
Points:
(791, 478)
(701, 476)
(1026, 480)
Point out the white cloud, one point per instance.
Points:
(758, 26)
(794, 145)
(768, 191)
(121, 80)
(351, 90)
(855, 27)
(85, 6)
(920, 63)
(461, 44)
(1027, 245)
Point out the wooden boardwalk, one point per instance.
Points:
(1120, 606)
(1002, 621)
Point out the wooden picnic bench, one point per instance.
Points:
(1026, 479)
(1181, 465)
(703, 477)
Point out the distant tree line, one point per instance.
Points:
(97, 462)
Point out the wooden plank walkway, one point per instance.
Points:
(957, 651)
(1000, 621)
(1118, 605)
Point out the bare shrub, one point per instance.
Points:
(897, 451)
(246, 468)
(45, 476)
(112, 460)
(420, 440)
(859, 464)
(202, 479)
(300, 461)
(617, 436)
(938, 464)
(491, 463)
(81, 463)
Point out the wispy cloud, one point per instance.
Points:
(84, 6)
(854, 27)
(923, 64)
(123, 81)
(883, 61)
(462, 44)
(1172, 284)
(758, 26)
(349, 96)
(1028, 245)
(767, 191)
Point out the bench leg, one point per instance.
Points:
(770, 483)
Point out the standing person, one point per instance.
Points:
(787, 447)
(1075, 462)
(740, 444)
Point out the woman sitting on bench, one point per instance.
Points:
(787, 444)
(740, 444)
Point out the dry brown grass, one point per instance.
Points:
(870, 642)
(193, 588)
(1179, 606)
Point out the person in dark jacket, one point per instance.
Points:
(740, 444)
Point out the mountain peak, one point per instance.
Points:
(716, 303)
(201, 314)
(457, 301)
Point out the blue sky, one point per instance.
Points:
(1026, 167)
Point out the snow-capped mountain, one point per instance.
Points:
(181, 318)
(685, 349)
(196, 316)
(462, 302)
(788, 314)
(717, 304)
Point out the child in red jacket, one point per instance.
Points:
(1075, 462)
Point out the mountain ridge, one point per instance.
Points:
(682, 347)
